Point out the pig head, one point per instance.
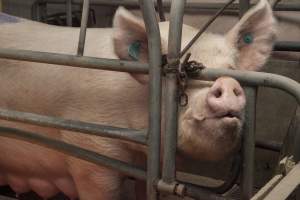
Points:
(210, 125)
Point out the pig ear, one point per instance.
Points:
(254, 36)
(130, 39)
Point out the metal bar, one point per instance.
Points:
(171, 102)
(75, 61)
(269, 145)
(69, 12)
(42, 10)
(201, 193)
(250, 78)
(295, 127)
(248, 145)
(287, 46)
(155, 87)
(244, 5)
(203, 29)
(267, 187)
(286, 186)
(160, 10)
(73, 150)
(189, 5)
(78, 126)
(84, 21)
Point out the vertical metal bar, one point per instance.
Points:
(42, 5)
(171, 113)
(295, 128)
(249, 130)
(84, 21)
(244, 5)
(249, 144)
(69, 12)
(154, 48)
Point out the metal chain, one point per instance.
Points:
(184, 69)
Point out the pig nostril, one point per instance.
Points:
(236, 92)
(218, 93)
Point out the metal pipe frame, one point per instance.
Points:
(69, 12)
(84, 21)
(155, 89)
(152, 175)
(189, 5)
(75, 61)
(73, 150)
(171, 102)
(248, 144)
(77, 126)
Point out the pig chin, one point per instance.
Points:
(211, 139)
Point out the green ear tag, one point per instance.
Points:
(248, 38)
(134, 50)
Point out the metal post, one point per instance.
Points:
(244, 5)
(42, 10)
(249, 130)
(154, 45)
(84, 21)
(171, 114)
(69, 12)
(248, 144)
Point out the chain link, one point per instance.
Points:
(182, 72)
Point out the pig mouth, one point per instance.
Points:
(230, 115)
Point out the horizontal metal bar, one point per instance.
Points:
(286, 186)
(78, 126)
(269, 145)
(189, 5)
(287, 46)
(201, 193)
(75, 61)
(74, 151)
(250, 78)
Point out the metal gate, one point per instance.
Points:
(166, 182)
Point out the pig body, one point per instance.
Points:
(208, 129)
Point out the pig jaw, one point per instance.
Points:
(206, 137)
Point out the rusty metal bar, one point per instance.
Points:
(171, 102)
(69, 12)
(78, 126)
(248, 146)
(155, 87)
(84, 21)
(73, 150)
(74, 61)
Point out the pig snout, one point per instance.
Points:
(226, 98)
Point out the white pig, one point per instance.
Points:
(209, 127)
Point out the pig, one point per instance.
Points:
(209, 126)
